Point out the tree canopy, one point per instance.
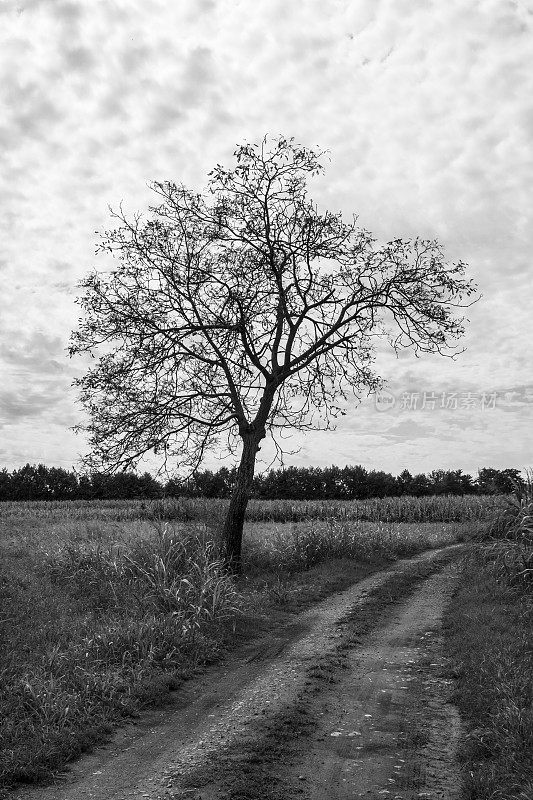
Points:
(245, 310)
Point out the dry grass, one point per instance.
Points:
(299, 546)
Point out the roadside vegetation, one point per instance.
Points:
(490, 636)
(108, 607)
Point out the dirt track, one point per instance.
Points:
(351, 700)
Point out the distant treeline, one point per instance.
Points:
(293, 483)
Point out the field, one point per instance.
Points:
(25, 515)
(108, 606)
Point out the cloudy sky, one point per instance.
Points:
(427, 109)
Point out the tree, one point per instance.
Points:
(421, 486)
(496, 481)
(380, 484)
(450, 482)
(355, 480)
(5, 485)
(405, 482)
(246, 310)
(62, 484)
(30, 482)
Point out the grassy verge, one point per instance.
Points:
(96, 626)
(489, 626)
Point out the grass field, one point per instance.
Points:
(108, 606)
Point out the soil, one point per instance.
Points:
(350, 699)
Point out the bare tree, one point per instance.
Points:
(245, 311)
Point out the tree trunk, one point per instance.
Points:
(233, 525)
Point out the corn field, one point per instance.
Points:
(440, 508)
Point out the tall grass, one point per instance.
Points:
(91, 633)
(301, 545)
(490, 629)
(509, 553)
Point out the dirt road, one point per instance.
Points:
(350, 700)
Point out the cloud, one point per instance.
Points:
(79, 59)
(30, 109)
(68, 12)
(64, 10)
(427, 109)
(18, 404)
(516, 400)
(407, 430)
(134, 56)
(36, 352)
(66, 287)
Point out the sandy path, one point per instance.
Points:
(388, 730)
(345, 702)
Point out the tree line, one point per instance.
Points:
(39, 482)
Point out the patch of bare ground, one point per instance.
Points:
(348, 700)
